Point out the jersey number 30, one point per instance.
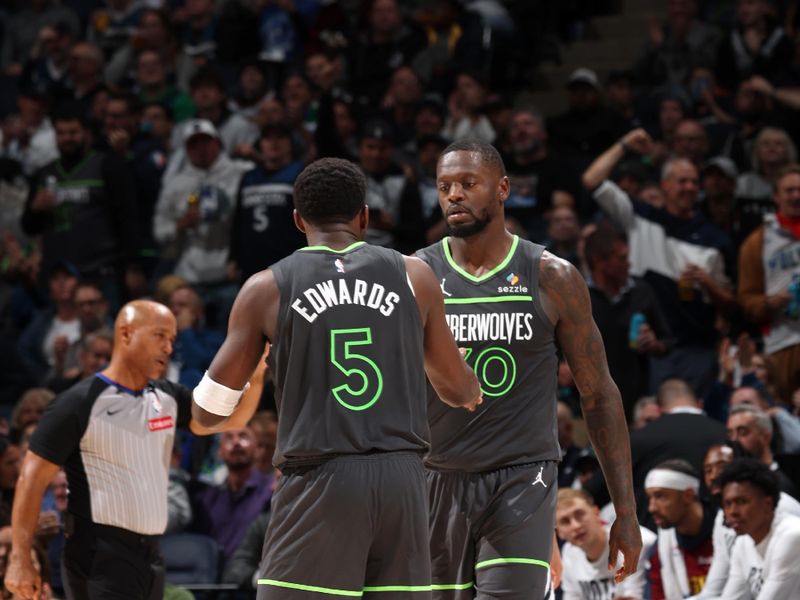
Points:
(360, 371)
(496, 370)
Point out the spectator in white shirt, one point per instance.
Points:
(765, 562)
(587, 575)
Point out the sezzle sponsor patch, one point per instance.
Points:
(160, 423)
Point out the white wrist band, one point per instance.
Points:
(215, 397)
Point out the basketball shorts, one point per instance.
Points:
(354, 526)
(492, 533)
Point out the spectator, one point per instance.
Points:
(717, 459)
(672, 111)
(766, 276)
(44, 342)
(265, 429)
(193, 216)
(570, 453)
(401, 99)
(563, 234)
(773, 151)
(179, 505)
(111, 28)
(153, 86)
(30, 408)
(263, 231)
(753, 429)
(429, 148)
(694, 283)
(585, 554)
(93, 314)
(85, 71)
(225, 512)
(682, 431)
(208, 95)
(153, 34)
(679, 563)
(690, 142)
(764, 559)
(719, 183)
(85, 208)
(385, 42)
(35, 147)
(465, 107)
(94, 353)
(46, 67)
(619, 96)
(617, 301)
(394, 202)
(195, 345)
(675, 45)
(539, 180)
(22, 29)
(645, 411)
(587, 127)
(251, 90)
(785, 428)
(756, 45)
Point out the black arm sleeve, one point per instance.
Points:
(64, 421)
(183, 397)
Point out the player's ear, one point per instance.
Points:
(298, 221)
(363, 218)
(503, 189)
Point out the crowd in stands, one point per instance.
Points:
(148, 149)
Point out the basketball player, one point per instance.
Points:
(354, 328)
(492, 473)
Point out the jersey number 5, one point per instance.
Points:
(358, 369)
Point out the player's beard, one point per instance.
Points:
(470, 229)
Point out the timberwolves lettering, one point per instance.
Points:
(483, 327)
(326, 294)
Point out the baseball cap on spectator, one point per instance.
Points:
(724, 165)
(378, 129)
(64, 266)
(583, 76)
(199, 127)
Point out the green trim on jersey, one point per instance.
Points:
(479, 279)
(511, 561)
(311, 588)
(342, 251)
(369, 588)
(479, 300)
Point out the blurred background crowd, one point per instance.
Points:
(148, 149)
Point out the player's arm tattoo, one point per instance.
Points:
(582, 346)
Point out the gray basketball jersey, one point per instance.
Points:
(499, 319)
(347, 359)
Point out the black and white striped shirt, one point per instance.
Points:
(115, 445)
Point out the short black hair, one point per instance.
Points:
(600, 243)
(330, 190)
(679, 466)
(70, 111)
(754, 472)
(488, 153)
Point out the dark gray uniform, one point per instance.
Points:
(350, 516)
(492, 473)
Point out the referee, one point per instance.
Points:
(113, 434)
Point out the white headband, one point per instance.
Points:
(671, 480)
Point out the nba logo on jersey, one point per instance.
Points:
(339, 265)
(512, 279)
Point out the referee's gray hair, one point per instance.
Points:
(666, 170)
(762, 420)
